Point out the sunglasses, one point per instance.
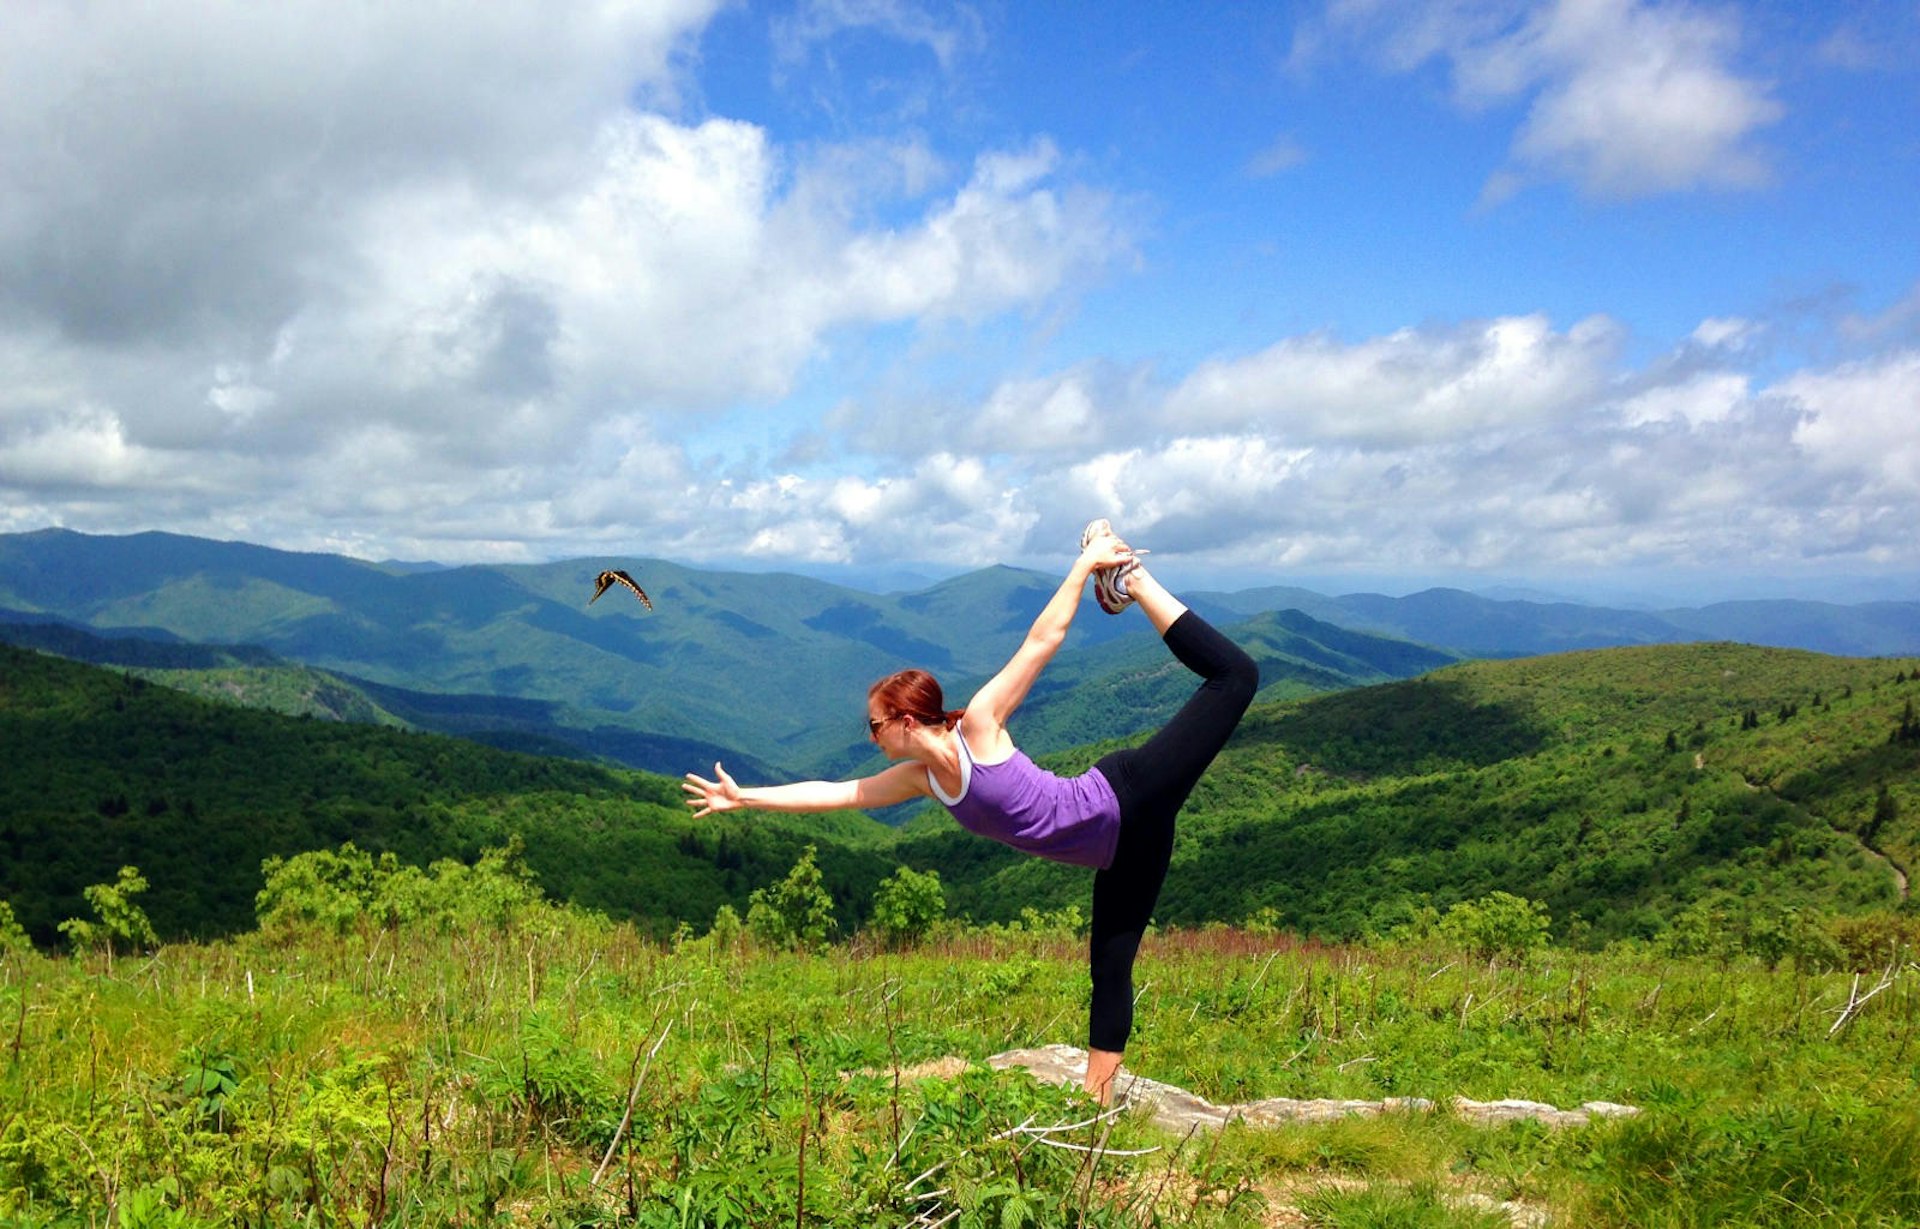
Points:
(874, 727)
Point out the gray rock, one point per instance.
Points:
(1175, 1109)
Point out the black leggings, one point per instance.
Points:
(1152, 781)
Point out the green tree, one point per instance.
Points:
(1779, 932)
(492, 892)
(119, 920)
(338, 890)
(13, 936)
(907, 905)
(727, 927)
(1498, 924)
(795, 912)
(1885, 811)
(1701, 929)
(324, 888)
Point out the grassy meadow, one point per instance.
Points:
(329, 1018)
(561, 1069)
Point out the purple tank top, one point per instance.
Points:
(1018, 803)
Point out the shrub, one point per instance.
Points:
(325, 889)
(1498, 924)
(1701, 929)
(727, 927)
(1262, 921)
(13, 936)
(797, 912)
(120, 920)
(336, 891)
(1788, 933)
(1876, 940)
(492, 892)
(907, 905)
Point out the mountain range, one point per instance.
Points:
(1627, 789)
(767, 671)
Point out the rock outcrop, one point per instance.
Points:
(1175, 1109)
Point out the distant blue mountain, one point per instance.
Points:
(770, 670)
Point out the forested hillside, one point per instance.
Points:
(104, 769)
(766, 670)
(1620, 787)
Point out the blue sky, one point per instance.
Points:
(1612, 297)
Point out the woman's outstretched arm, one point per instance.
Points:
(897, 784)
(1002, 694)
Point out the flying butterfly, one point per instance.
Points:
(610, 578)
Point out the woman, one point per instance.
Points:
(1117, 817)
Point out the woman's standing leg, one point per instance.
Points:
(1124, 895)
(1152, 781)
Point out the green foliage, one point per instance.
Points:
(555, 1082)
(333, 890)
(1546, 777)
(727, 928)
(338, 891)
(485, 1076)
(492, 892)
(107, 769)
(1549, 778)
(119, 923)
(796, 912)
(1726, 927)
(907, 906)
(13, 938)
(204, 1084)
(1393, 1207)
(1875, 941)
(1497, 925)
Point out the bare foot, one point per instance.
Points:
(1102, 1066)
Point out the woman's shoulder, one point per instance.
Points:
(987, 741)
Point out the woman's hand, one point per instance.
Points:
(712, 797)
(1105, 551)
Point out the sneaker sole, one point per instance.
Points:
(1106, 590)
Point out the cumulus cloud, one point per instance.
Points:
(1624, 98)
(407, 268)
(1493, 445)
(816, 22)
(1411, 385)
(1283, 154)
(1857, 420)
(354, 281)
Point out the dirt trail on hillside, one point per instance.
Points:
(1900, 882)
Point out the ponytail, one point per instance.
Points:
(915, 694)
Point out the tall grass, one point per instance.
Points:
(462, 1078)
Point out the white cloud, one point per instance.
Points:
(1724, 333)
(1625, 98)
(1041, 415)
(1412, 385)
(409, 270)
(1495, 445)
(87, 447)
(1858, 421)
(1709, 397)
(1283, 154)
(815, 22)
(1006, 238)
(184, 168)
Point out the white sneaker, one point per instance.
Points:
(1109, 583)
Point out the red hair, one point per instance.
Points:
(915, 694)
